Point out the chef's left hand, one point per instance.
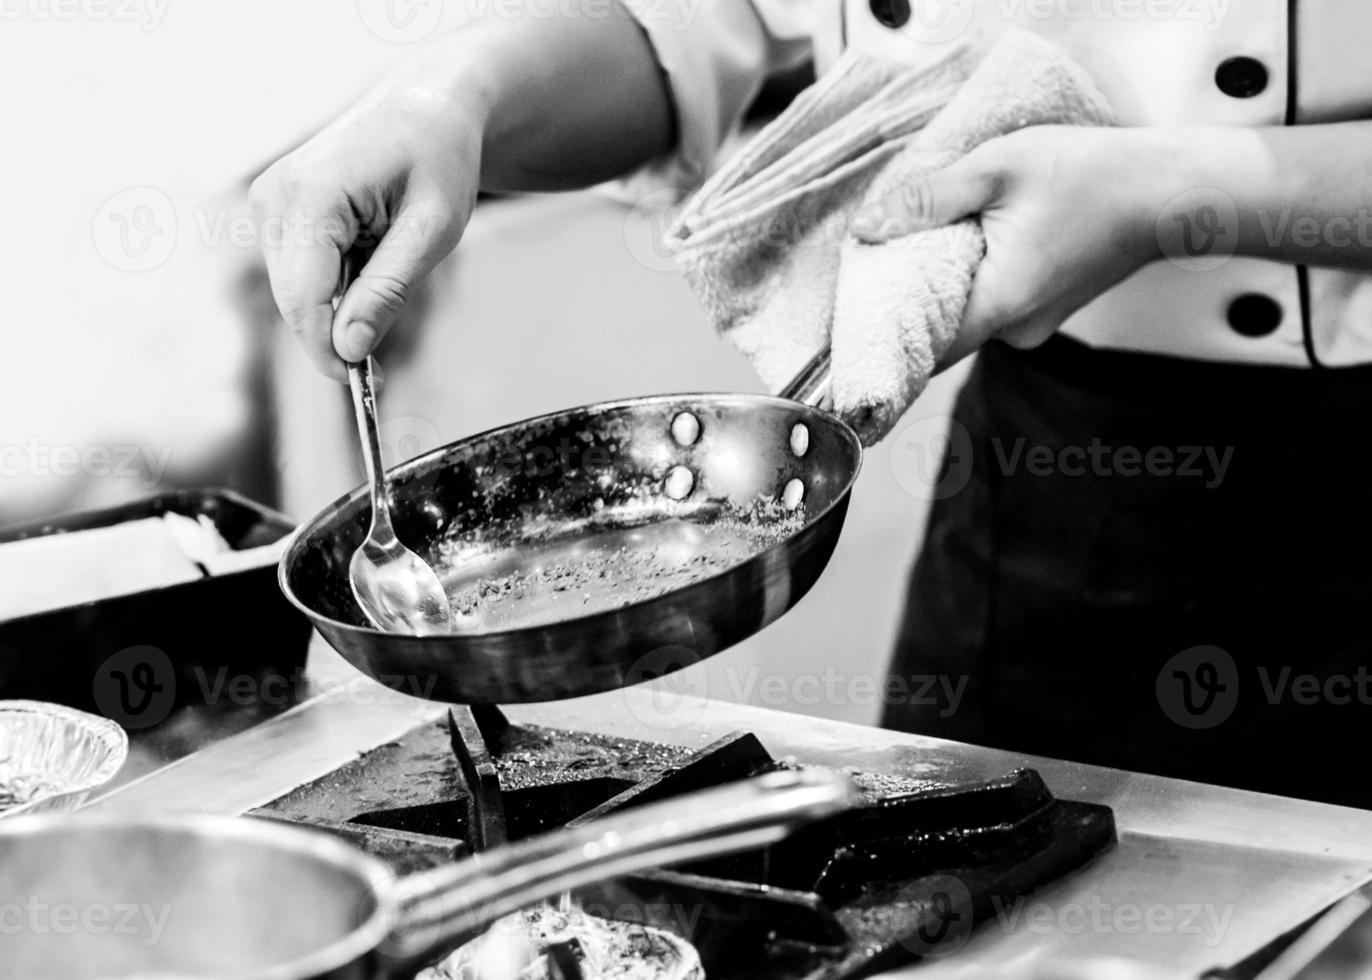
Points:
(1067, 213)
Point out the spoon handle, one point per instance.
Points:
(364, 409)
(813, 385)
(364, 406)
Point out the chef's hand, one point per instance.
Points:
(399, 172)
(1067, 213)
(506, 103)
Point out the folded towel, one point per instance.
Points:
(765, 242)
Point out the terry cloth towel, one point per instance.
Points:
(765, 242)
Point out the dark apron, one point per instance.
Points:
(1161, 613)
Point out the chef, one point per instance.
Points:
(1152, 548)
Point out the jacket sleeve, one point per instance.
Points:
(715, 56)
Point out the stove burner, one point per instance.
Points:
(902, 877)
(470, 741)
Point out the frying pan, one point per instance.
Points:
(581, 523)
(107, 897)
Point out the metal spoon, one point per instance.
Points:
(396, 588)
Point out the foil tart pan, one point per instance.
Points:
(52, 756)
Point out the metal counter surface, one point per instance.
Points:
(1202, 876)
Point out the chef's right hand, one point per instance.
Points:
(397, 173)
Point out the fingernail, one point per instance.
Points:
(358, 340)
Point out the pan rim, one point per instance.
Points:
(433, 639)
(356, 944)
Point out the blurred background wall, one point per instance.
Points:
(144, 353)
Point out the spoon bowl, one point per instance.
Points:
(396, 588)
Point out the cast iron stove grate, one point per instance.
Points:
(901, 877)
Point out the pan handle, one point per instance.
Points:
(812, 385)
(442, 908)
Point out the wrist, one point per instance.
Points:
(1215, 189)
(1171, 187)
(454, 80)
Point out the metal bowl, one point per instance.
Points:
(58, 753)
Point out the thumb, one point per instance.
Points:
(926, 201)
(415, 242)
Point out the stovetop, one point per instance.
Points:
(906, 875)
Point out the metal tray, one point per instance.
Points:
(135, 658)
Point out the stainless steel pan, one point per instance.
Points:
(754, 488)
(111, 897)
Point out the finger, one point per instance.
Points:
(304, 287)
(415, 242)
(929, 201)
(303, 244)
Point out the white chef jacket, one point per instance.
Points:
(1159, 62)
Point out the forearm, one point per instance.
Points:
(563, 101)
(1300, 194)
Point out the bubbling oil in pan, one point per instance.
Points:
(618, 560)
